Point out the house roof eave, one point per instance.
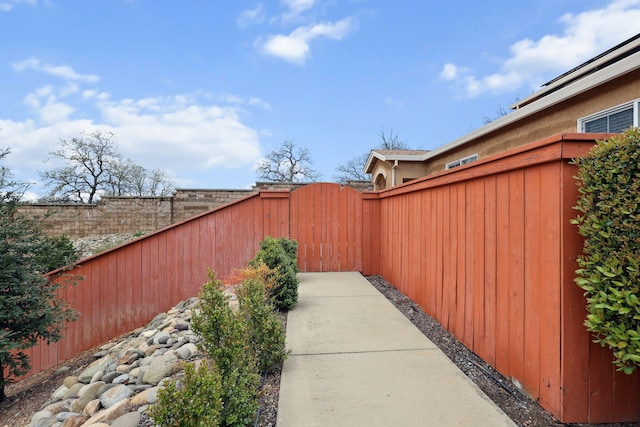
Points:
(368, 167)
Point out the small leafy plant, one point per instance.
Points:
(609, 220)
(280, 255)
(266, 333)
(192, 401)
(226, 339)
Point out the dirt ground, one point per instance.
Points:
(26, 397)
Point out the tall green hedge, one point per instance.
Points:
(609, 219)
(280, 255)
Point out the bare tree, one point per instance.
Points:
(288, 164)
(130, 179)
(390, 141)
(92, 166)
(10, 189)
(353, 170)
(500, 112)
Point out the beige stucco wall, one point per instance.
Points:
(404, 171)
(561, 118)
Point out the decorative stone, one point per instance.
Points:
(142, 360)
(161, 367)
(111, 413)
(86, 395)
(109, 376)
(123, 369)
(91, 408)
(130, 419)
(161, 338)
(62, 416)
(121, 379)
(73, 391)
(69, 381)
(97, 376)
(87, 374)
(75, 421)
(147, 396)
(115, 395)
(40, 418)
(60, 393)
(181, 326)
(149, 333)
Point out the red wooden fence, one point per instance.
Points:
(487, 249)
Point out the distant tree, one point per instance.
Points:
(10, 189)
(131, 179)
(500, 112)
(390, 141)
(30, 307)
(92, 166)
(353, 170)
(288, 164)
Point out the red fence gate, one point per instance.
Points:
(326, 221)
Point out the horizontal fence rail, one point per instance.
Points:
(486, 249)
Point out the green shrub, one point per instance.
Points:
(57, 252)
(192, 401)
(291, 248)
(266, 331)
(279, 255)
(609, 219)
(225, 338)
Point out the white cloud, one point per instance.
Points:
(251, 16)
(7, 5)
(62, 71)
(295, 46)
(257, 102)
(449, 72)
(394, 103)
(184, 134)
(531, 62)
(295, 8)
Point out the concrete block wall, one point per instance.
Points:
(114, 215)
(187, 203)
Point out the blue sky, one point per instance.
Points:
(204, 89)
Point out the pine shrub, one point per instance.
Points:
(56, 252)
(609, 219)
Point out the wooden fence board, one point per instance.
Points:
(490, 261)
(460, 238)
(532, 303)
(516, 274)
(478, 255)
(503, 297)
(550, 279)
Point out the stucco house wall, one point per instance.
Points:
(560, 118)
(405, 172)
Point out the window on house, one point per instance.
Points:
(462, 161)
(614, 120)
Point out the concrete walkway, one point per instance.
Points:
(357, 361)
